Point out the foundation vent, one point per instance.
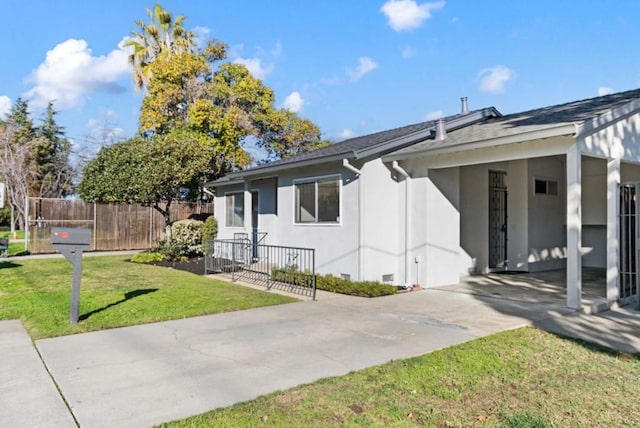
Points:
(389, 277)
(345, 276)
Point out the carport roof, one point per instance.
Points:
(561, 119)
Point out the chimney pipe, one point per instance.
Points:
(465, 108)
(441, 131)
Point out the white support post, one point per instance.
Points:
(247, 207)
(613, 228)
(574, 228)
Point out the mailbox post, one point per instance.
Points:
(71, 242)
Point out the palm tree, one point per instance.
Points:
(162, 34)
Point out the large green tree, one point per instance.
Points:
(197, 114)
(54, 173)
(150, 171)
(34, 160)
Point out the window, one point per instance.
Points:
(318, 200)
(545, 187)
(234, 209)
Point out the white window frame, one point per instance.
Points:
(315, 180)
(226, 209)
(547, 180)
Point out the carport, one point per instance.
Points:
(539, 194)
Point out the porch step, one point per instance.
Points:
(598, 306)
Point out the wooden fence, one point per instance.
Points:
(113, 226)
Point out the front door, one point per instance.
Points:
(255, 210)
(497, 220)
(629, 248)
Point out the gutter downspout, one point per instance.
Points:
(358, 173)
(407, 210)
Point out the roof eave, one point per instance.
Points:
(423, 134)
(241, 176)
(598, 123)
(555, 131)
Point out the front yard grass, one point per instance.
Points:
(114, 293)
(520, 378)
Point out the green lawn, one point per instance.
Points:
(114, 293)
(521, 378)
(8, 234)
(14, 247)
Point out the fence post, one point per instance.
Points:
(233, 260)
(313, 271)
(268, 268)
(95, 226)
(150, 226)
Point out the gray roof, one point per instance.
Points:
(367, 145)
(541, 119)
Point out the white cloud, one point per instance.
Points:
(605, 90)
(346, 134)
(255, 67)
(494, 79)
(365, 65)
(408, 14)
(433, 115)
(70, 72)
(294, 102)
(5, 105)
(407, 53)
(202, 35)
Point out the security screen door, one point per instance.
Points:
(497, 220)
(629, 235)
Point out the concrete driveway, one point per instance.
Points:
(143, 375)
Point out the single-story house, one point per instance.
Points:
(468, 194)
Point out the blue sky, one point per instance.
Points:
(353, 67)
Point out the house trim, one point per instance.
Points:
(539, 134)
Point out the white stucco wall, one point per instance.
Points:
(434, 257)
(219, 211)
(383, 222)
(594, 212)
(336, 245)
(474, 215)
(547, 230)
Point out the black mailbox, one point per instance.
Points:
(70, 236)
(71, 242)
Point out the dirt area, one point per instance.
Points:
(194, 265)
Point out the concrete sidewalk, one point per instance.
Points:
(28, 396)
(144, 375)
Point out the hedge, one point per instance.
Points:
(334, 284)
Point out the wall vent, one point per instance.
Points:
(389, 277)
(345, 276)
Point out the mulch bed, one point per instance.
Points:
(194, 265)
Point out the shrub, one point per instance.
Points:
(147, 257)
(209, 228)
(186, 237)
(333, 284)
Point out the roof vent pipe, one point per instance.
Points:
(465, 108)
(441, 131)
